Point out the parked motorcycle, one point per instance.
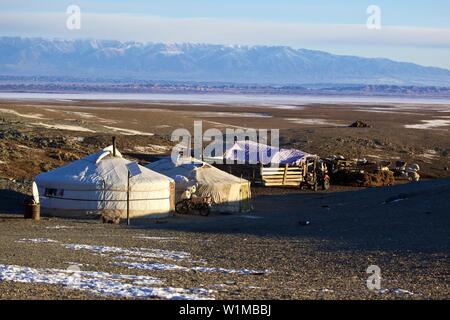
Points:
(200, 204)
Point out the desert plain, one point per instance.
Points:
(266, 254)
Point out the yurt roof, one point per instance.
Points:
(194, 169)
(101, 171)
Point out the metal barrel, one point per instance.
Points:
(32, 211)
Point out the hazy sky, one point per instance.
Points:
(416, 31)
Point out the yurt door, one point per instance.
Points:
(245, 198)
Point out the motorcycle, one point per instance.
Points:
(200, 204)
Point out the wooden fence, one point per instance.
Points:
(284, 176)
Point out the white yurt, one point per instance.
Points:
(98, 184)
(229, 193)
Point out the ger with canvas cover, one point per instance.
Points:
(228, 193)
(98, 184)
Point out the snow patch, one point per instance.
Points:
(172, 267)
(212, 114)
(287, 107)
(129, 132)
(29, 115)
(37, 240)
(156, 238)
(135, 252)
(101, 283)
(396, 291)
(314, 122)
(151, 266)
(327, 290)
(402, 291)
(225, 125)
(429, 124)
(59, 227)
(62, 127)
(430, 155)
(152, 149)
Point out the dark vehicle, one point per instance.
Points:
(200, 204)
(315, 175)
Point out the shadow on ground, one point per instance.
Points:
(412, 217)
(11, 202)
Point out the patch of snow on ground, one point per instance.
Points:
(287, 107)
(242, 271)
(62, 127)
(225, 125)
(172, 267)
(402, 291)
(373, 156)
(152, 149)
(37, 240)
(212, 114)
(136, 252)
(71, 263)
(327, 290)
(129, 132)
(29, 115)
(318, 122)
(396, 291)
(101, 283)
(387, 110)
(59, 227)
(151, 266)
(156, 238)
(430, 154)
(23, 147)
(429, 124)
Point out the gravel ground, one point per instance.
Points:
(403, 229)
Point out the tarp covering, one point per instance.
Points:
(99, 182)
(253, 152)
(227, 191)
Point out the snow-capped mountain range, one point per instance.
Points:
(104, 59)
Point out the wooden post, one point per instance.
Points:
(172, 196)
(285, 174)
(261, 173)
(128, 198)
(114, 146)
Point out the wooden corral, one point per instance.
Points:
(291, 176)
(282, 176)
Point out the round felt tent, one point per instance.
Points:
(228, 193)
(98, 184)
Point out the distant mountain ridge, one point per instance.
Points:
(204, 63)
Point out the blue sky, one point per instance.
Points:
(416, 31)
